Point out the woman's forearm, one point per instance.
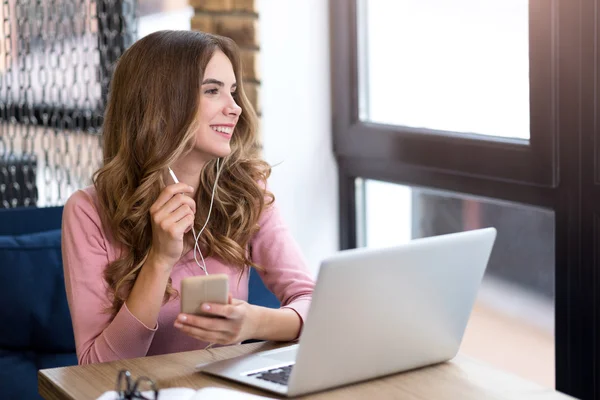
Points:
(146, 297)
(281, 324)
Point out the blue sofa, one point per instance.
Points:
(36, 328)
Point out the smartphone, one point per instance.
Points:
(196, 290)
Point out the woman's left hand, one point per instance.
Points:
(235, 322)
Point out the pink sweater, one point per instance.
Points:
(87, 249)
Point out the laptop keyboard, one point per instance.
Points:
(279, 375)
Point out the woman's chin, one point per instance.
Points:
(213, 154)
(221, 152)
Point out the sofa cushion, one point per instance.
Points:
(18, 371)
(258, 293)
(33, 285)
(22, 220)
(18, 375)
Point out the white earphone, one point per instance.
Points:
(197, 237)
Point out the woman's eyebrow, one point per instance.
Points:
(213, 81)
(217, 82)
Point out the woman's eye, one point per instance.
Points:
(234, 93)
(212, 91)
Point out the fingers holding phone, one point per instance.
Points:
(210, 314)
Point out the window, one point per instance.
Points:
(512, 324)
(460, 66)
(404, 79)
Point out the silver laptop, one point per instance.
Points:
(375, 312)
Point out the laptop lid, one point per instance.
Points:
(376, 312)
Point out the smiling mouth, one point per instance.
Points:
(228, 130)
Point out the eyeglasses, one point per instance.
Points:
(127, 389)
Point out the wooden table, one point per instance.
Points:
(461, 378)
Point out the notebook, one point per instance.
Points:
(181, 393)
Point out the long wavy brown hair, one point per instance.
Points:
(150, 121)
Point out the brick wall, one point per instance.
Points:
(237, 19)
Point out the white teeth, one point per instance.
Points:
(224, 129)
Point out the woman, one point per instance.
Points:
(177, 101)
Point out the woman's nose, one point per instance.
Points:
(232, 108)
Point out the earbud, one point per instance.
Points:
(197, 237)
(173, 175)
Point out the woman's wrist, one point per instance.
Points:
(157, 263)
(255, 317)
(147, 293)
(281, 324)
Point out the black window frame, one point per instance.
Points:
(559, 169)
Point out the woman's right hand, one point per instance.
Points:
(172, 215)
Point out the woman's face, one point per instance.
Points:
(219, 112)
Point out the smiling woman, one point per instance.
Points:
(177, 101)
(219, 111)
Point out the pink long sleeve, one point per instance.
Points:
(85, 256)
(285, 271)
(88, 249)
